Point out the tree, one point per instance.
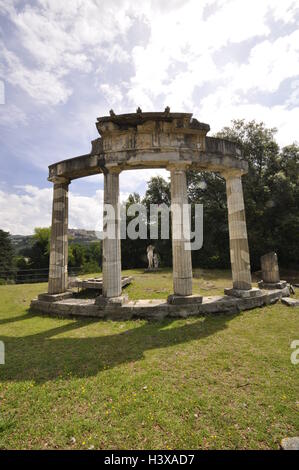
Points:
(209, 190)
(40, 250)
(133, 251)
(270, 191)
(6, 256)
(158, 191)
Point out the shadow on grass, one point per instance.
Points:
(42, 356)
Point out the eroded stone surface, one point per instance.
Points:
(55, 297)
(156, 309)
(272, 285)
(239, 251)
(270, 270)
(58, 276)
(116, 301)
(184, 299)
(152, 140)
(290, 443)
(290, 302)
(181, 253)
(96, 283)
(112, 285)
(243, 294)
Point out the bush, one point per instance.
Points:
(90, 267)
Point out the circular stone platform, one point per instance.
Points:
(156, 309)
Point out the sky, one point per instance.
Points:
(65, 63)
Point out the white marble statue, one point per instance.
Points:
(150, 256)
(156, 261)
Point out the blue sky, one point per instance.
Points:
(64, 63)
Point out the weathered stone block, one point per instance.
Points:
(118, 301)
(184, 299)
(272, 285)
(290, 443)
(269, 265)
(243, 294)
(290, 302)
(155, 309)
(54, 297)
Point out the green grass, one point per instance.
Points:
(221, 381)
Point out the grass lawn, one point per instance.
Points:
(210, 382)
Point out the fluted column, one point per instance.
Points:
(58, 276)
(181, 257)
(111, 241)
(239, 251)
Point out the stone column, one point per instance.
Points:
(111, 241)
(58, 278)
(270, 273)
(181, 255)
(239, 251)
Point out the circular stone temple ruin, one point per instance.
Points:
(176, 142)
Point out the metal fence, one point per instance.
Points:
(26, 276)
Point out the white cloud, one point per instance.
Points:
(179, 58)
(24, 210)
(41, 85)
(29, 207)
(270, 62)
(54, 40)
(223, 106)
(62, 37)
(113, 95)
(131, 181)
(12, 116)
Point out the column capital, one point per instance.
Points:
(59, 179)
(232, 173)
(113, 168)
(179, 165)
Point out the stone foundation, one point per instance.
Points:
(55, 297)
(96, 283)
(104, 302)
(156, 309)
(272, 285)
(184, 299)
(243, 293)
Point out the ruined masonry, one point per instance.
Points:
(174, 141)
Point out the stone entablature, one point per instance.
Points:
(152, 140)
(146, 131)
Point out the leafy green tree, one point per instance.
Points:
(6, 256)
(133, 251)
(270, 191)
(158, 191)
(209, 190)
(40, 249)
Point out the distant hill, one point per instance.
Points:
(75, 236)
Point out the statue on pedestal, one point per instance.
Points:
(150, 256)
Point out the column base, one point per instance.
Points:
(243, 294)
(102, 301)
(54, 297)
(174, 299)
(272, 285)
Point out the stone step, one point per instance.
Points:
(290, 302)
